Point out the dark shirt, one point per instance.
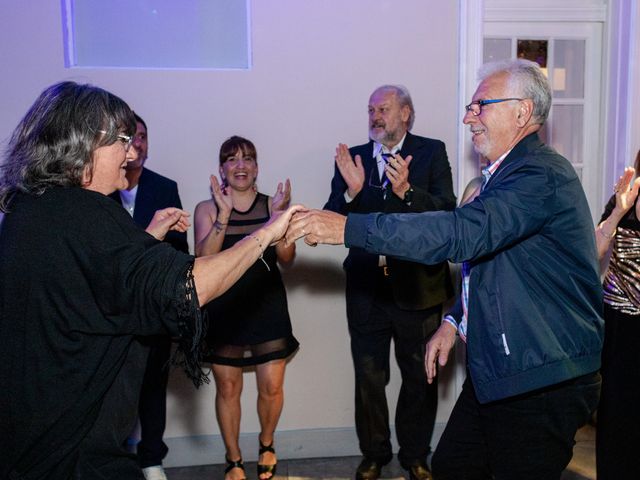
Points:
(78, 279)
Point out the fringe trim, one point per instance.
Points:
(192, 324)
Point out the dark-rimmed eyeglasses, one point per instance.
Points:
(126, 140)
(476, 107)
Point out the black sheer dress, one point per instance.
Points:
(250, 324)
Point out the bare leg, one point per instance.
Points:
(270, 378)
(228, 389)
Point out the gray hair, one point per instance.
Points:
(526, 80)
(54, 143)
(404, 98)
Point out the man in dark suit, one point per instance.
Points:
(146, 193)
(388, 298)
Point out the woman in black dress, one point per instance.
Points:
(249, 325)
(618, 241)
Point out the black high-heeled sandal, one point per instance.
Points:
(262, 469)
(231, 465)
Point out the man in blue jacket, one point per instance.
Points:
(531, 308)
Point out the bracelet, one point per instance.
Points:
(608, 235)
(218, 226)
(261, 257)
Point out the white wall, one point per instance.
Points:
(314, 66)
(635, 82)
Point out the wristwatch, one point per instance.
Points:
(408, 196)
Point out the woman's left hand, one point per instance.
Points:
(282, 197)
(168, 219)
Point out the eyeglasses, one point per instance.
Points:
(126, 140)
(476, 107)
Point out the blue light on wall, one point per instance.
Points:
(164, 34)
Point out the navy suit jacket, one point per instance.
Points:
(156, 192)
(415, 286)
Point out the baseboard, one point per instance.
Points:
(291, 444)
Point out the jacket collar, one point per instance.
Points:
(525, 146)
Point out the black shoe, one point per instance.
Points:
(419, 471)
(369, 469)
(233, 464)
(266, 469)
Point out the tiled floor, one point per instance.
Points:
(582, 466)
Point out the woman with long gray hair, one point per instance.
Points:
(79, 280)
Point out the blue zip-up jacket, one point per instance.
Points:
(535, 301)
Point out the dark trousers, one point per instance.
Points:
(618, 434)
(417, 402)
(152, 409)
(529, 436)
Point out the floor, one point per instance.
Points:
(582, 466)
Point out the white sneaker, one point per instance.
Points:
(154, 473)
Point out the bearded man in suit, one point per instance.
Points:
(388, 298)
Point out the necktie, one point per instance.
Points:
(384, 181)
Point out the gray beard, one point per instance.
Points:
(384, 138)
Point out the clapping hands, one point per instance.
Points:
(626, 191)
(223, 201)
(282, 197)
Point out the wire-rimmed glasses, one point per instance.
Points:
(126, 140)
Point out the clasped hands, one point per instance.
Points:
(316, 226)
(297, 221)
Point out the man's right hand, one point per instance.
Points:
(438, 348)
(317, 226)
(352, 172)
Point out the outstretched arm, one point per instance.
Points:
(215, 274)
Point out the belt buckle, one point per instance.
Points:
(385, 271)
